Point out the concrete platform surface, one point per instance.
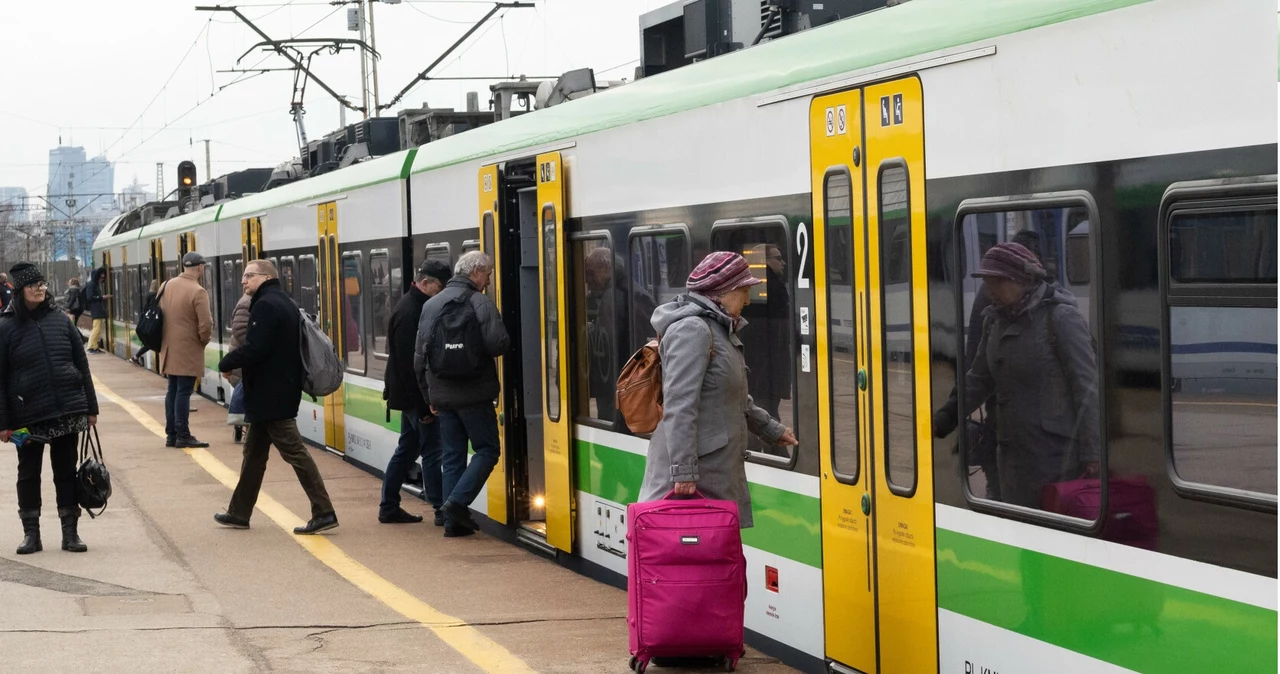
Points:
(164, 588)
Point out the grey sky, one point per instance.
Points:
(72, 65)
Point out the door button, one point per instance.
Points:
(866, 504)
(862, 379)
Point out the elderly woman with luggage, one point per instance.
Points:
(700, 444)
(47, 398)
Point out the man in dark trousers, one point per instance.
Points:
(271, 374)
(419, 430)
(463, 401)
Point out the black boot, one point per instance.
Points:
(31, 532)
(70, 539)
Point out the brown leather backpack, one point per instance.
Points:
(639, 393)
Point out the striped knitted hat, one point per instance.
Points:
(721, 272)
(1011, 261)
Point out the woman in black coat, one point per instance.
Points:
(47, 392)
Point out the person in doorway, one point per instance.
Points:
(46, 390)
(6, 291)
(188, 326)
(239, 330)
(151, 297)
(271, 373)
(701, 442)
(463, 401)
(97, 308)
(1036, 358)
(770, 376)
(419, 429)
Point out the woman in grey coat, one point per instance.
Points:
(701, 442)
(1036, 357)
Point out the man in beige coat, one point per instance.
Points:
(188, 325)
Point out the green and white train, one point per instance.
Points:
(863, 167)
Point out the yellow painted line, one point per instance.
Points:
(467, 640)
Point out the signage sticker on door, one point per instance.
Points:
(804, 320)
(804, 357)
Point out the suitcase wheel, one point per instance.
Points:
(637, 665)
(729, 664)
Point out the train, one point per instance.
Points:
(863, 168)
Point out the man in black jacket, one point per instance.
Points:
(464, 405)
(271, 375)
(419, 432)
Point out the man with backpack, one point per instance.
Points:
(419, 429)
(459, 335)
(272, 375)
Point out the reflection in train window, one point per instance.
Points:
(842, 354)
(308, 299)
(767, 339)
(354, 310)
(440, 252)
(380, 283)
(551, 312)
(1029, 373)
(231, 292)
(211, 287)
(599, 323)
(896, 308)
(659, 270)
(1223, 389)
(1235, 246)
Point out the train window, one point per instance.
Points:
(117, 304)
(1230, 246)
(308, 299)
(170, 270)
(287, 265)
(210, 287)
(354, 310)
(380, 283)
(470, 245)
(440, 252)
(842, 354)
(896, 301)
(232, 270)
(659, 270)
(1028, 403)
(770, 319)
(599, 322)
(551, 311)
(1219, 257)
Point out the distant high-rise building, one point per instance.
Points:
(13, 204)
(78, 187)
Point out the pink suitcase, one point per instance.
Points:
(1131, 507)
(687, 581)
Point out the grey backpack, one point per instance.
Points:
(321, 367)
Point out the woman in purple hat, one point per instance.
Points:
(701, 442)
(1036, 358)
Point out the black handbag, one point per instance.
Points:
(93, 480)
(150, 328)
(980, 441)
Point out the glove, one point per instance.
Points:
(944, 422)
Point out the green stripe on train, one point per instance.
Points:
(786, 523)
(1127, 621)
(367, 404)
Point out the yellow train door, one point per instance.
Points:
(332, 319)
(878, 526)
(558, 417)
(490, 210)
(109, 337)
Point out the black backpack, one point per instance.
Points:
(150, 328)
(453, 350)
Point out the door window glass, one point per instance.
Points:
(767, 340)
(600, 323)
(896, 326)
(841, 330)
(551, 289)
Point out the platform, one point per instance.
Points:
(165, 588)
